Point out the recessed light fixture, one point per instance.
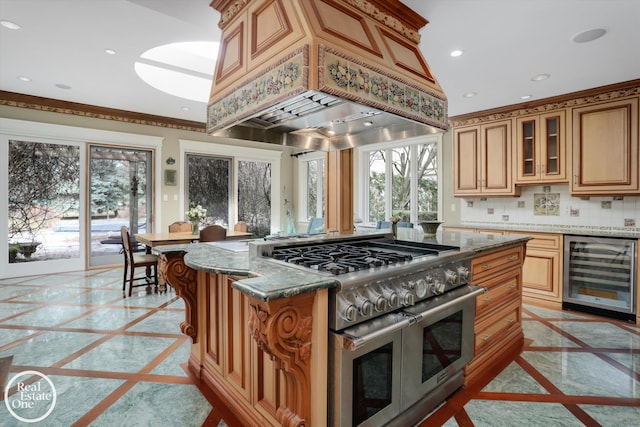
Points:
(185, 108)
(589, 35)
(368, 123)
(63, 86)
(470, 94)
(540, 77)
(10, 25)
(456, 53)
(24, 79)
(525, 97)
(110, 51)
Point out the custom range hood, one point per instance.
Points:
(322, 74)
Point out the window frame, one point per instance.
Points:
(236, 154)
(362, 198)
(302, 215)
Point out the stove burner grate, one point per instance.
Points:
(339, 258)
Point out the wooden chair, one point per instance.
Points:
(133, 260)
(213, 233)
(241, 226)
(180, 226)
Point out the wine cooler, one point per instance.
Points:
(600, 276)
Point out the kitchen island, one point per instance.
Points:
(260, 328)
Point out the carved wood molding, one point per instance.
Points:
(175, 272)
(282, 329)
(576, 99)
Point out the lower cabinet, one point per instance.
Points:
(542, 269)
(498, 325)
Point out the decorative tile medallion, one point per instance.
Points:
(546, 204)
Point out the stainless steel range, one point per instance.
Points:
(401, 322)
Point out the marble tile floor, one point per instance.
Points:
(121, 362)
(575, 370)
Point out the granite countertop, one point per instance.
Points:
(580, 230)
(270, 280)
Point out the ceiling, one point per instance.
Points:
(61, 49)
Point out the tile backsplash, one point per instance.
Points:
(554, 206)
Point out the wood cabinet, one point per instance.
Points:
(498, 326)
(541, 148)
(605, 148)
(542, 269)
(482, 163)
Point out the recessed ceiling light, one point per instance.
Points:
(10, 25)
(525, 97)
(470, 94)
(110, 51)
(62, 86)
(368, 123)
(456, 53)
(589, 35)
(185, 108)
(24, 79)
(540, 77)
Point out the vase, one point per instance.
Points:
(394, 230)
(195, 229)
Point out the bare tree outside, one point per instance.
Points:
(254, 196)
(44, 186)
(208, 185)
(427, 176)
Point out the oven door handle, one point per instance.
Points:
(353, 343)
(452, 298)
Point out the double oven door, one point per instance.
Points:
(389, 367)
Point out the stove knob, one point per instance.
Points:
(464, 274)
(439, 288)
(421, 288)
(407, 298)
(379, 302)
(452, 277)
(364, 306)
(391, 296)
(349, 312)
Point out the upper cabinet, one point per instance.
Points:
(541, 148)
(605, 148)
(482, 160)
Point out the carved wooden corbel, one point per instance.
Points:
(183, 279)
(282, 328)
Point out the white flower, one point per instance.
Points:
(196, 213)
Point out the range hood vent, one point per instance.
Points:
(322, 74)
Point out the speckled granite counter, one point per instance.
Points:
(267, 280)
(581, 230)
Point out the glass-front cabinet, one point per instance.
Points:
(541, 148)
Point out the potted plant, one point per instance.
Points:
(195, 215)
(13, 252)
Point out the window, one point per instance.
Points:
(209, 185)
(401, 179)
(311, 194)
(233, 184)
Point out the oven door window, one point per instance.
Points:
(372, 383)
(441, 345)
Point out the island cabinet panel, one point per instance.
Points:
(542, 269)
(498, 325)
(605, 148)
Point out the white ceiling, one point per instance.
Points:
(506, 42)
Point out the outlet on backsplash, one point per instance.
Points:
(605, 204)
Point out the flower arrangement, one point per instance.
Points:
(394, 219)
(196, 213)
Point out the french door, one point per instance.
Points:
(120, 193)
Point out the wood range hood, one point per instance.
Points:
(322, 75)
